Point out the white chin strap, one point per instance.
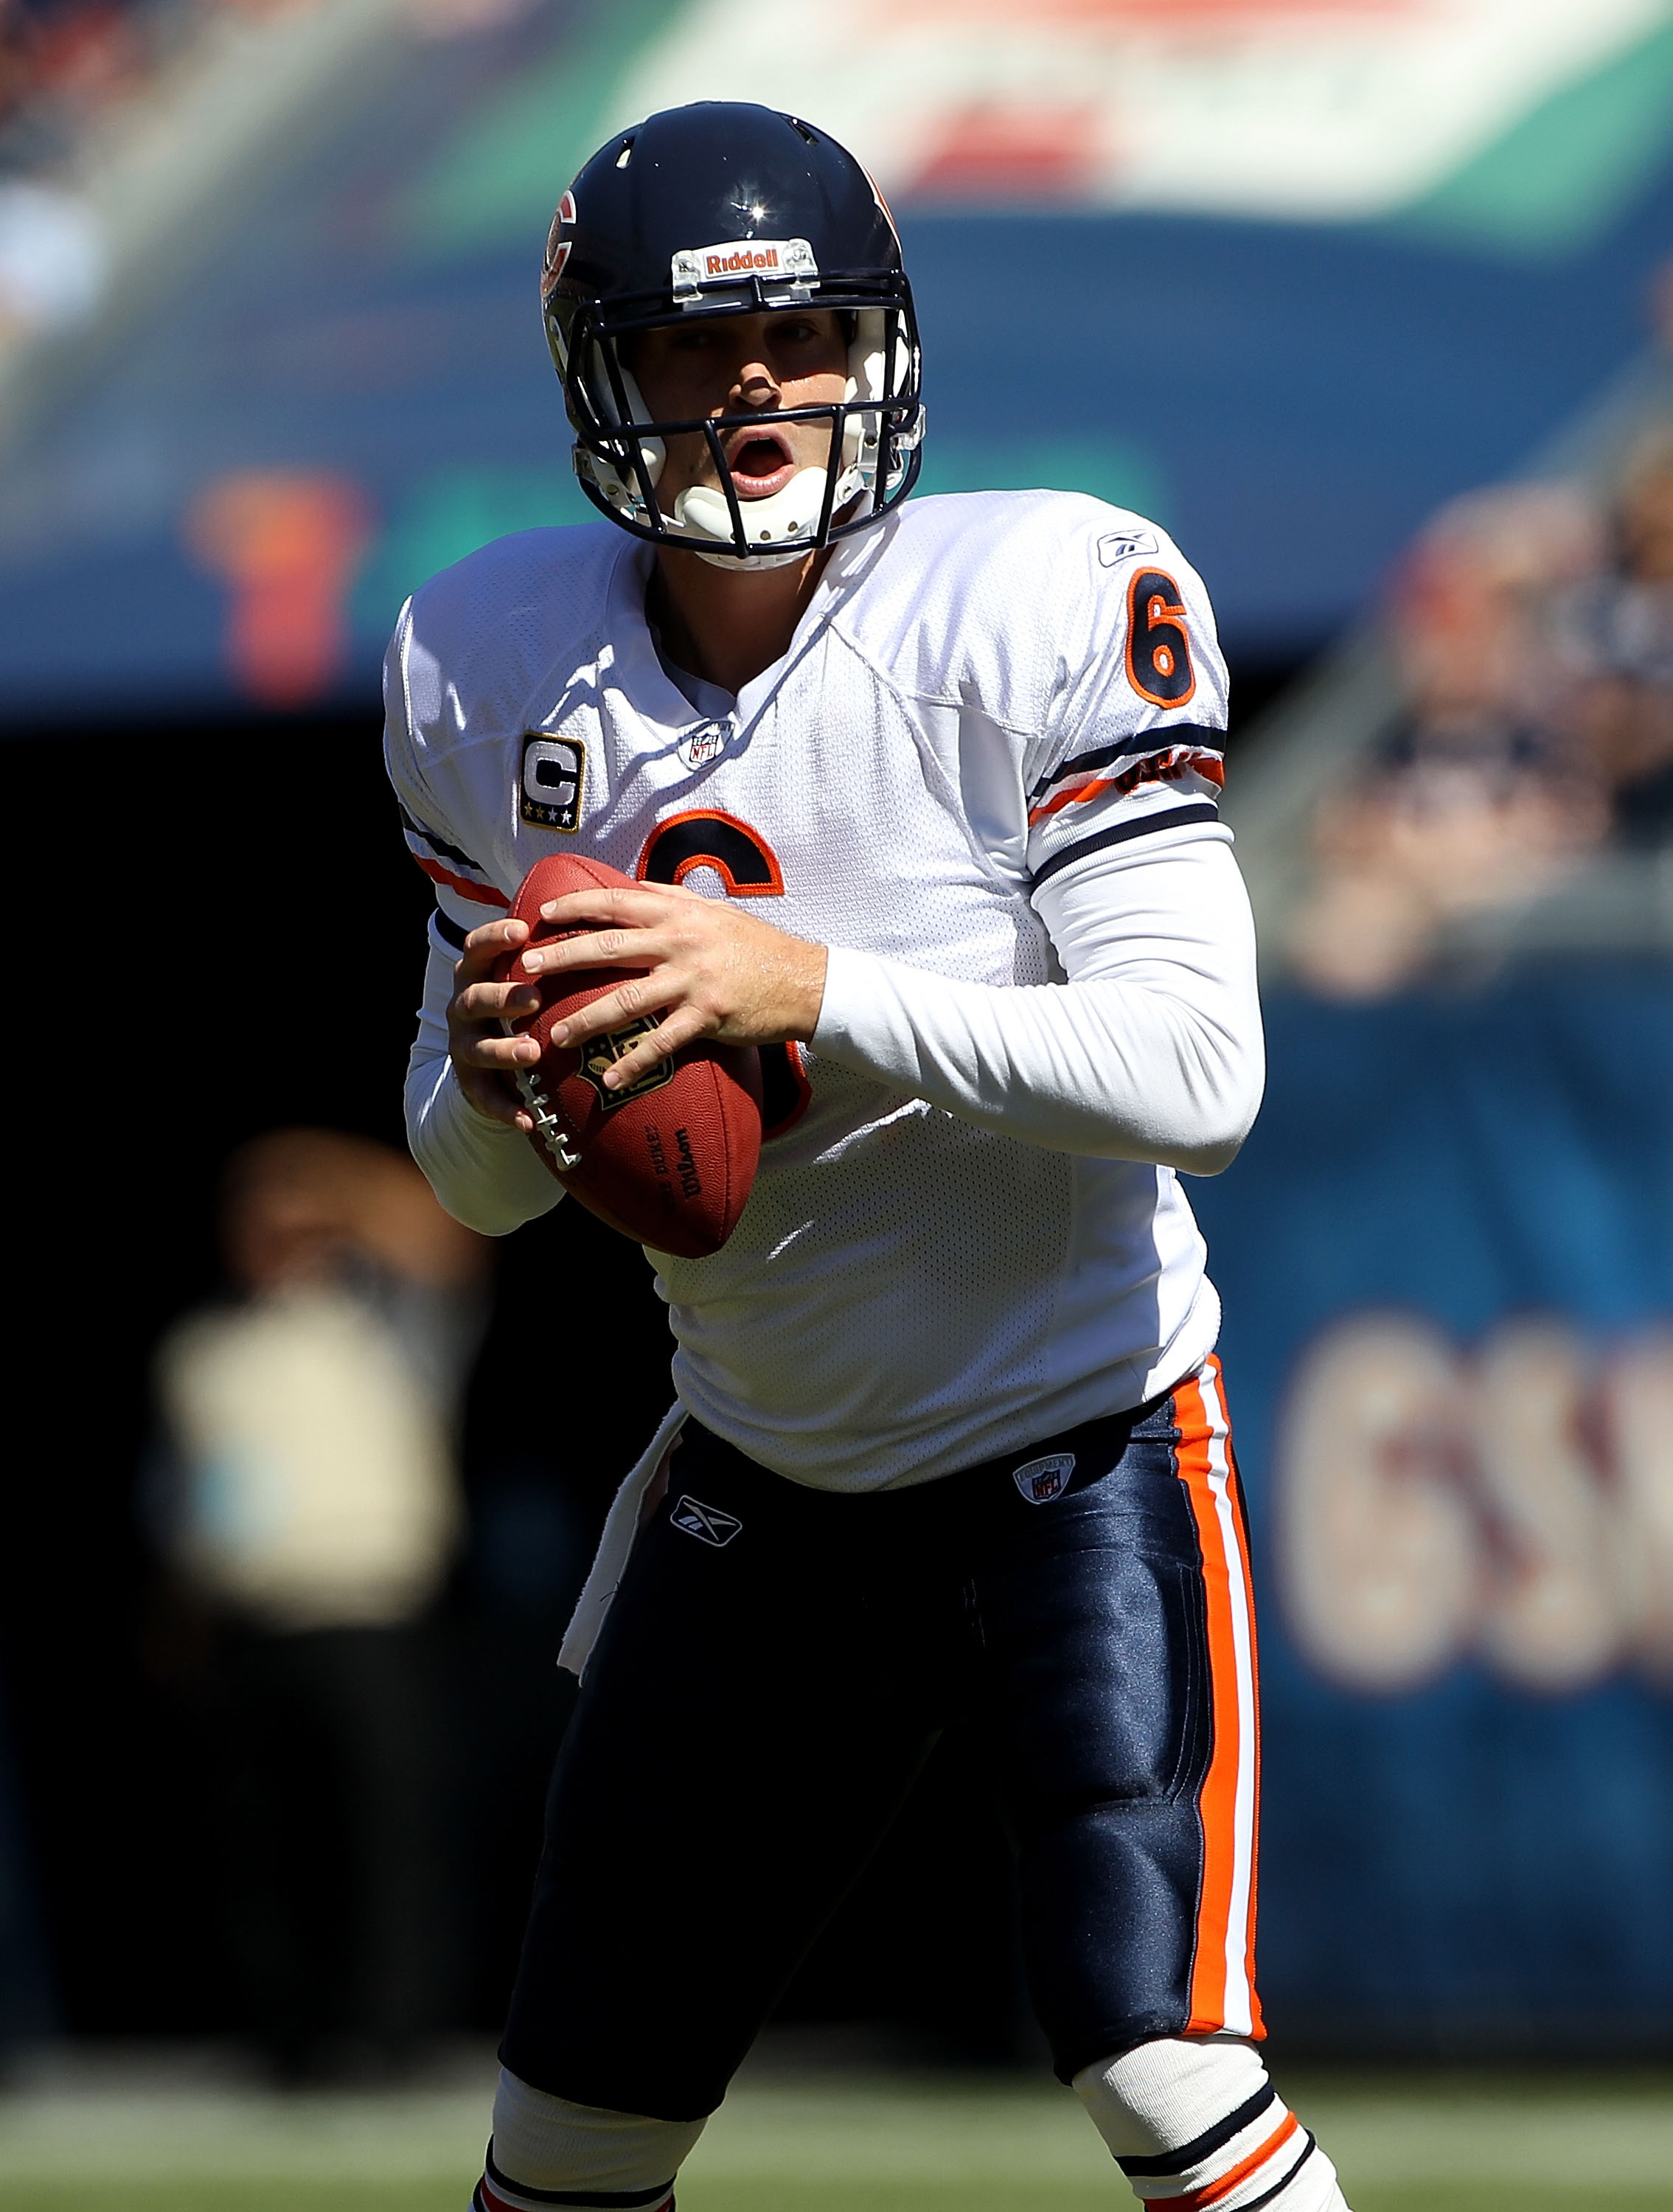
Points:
(778, 528)
(701, 515)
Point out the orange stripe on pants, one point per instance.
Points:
(1222, 1993)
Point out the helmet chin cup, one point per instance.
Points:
(717, 559)
(778, 529)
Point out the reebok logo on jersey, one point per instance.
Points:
(549, 788)
(1042, 1479)
(1124, 544)
(706, 1523)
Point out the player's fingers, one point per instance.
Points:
(487, 1051)
(632, 904)
(489, 1002)
(484, 946)
(682, 1027)
(629, 1002)
(596, 948)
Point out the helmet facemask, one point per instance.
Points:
(621, 450)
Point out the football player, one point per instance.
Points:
(920, 799)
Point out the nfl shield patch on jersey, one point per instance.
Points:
(706, 1523)
(1042, 1479)
(705, 743)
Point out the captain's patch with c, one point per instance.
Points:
(549, 788)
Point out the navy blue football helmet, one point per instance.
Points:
(723, 208)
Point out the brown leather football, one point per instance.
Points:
(668, 1162)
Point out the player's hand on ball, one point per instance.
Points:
(484, 1058)
(709, 970)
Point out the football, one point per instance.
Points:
(669, 1160)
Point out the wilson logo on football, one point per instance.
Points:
(1042, 1480)
(600, 1054)
(706, 1523)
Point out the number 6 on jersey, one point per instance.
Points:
(1158, 651)
(747, 865)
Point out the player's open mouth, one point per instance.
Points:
(761, 463)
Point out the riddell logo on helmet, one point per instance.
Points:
(784, 262)
(742, 256)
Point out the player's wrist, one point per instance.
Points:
(811, 966)
(492, 1111)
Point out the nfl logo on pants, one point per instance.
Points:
(1040, 1480)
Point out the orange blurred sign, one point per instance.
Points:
(287, 544)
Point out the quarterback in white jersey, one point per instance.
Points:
(921, 801)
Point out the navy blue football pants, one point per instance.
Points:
(776, 1669)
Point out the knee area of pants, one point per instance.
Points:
(546, 2143)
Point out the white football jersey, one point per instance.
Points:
(984, 690)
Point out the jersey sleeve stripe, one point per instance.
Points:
(1166, 817)
(438, 845)
(1148, 741)
(449, 930)
(1167, 766)
(483, 894)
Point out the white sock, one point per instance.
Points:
(1196, 2126)
(544, 2145)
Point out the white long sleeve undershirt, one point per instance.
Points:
(1150, 1050)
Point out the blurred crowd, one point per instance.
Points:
(304, 1504)
(1532, 626)
(71, 73)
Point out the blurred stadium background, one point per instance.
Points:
(1370, 303)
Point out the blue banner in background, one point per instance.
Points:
(1446, 1258)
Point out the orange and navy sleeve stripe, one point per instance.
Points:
(448, 866)
(1158, 778)
(1154, 756)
